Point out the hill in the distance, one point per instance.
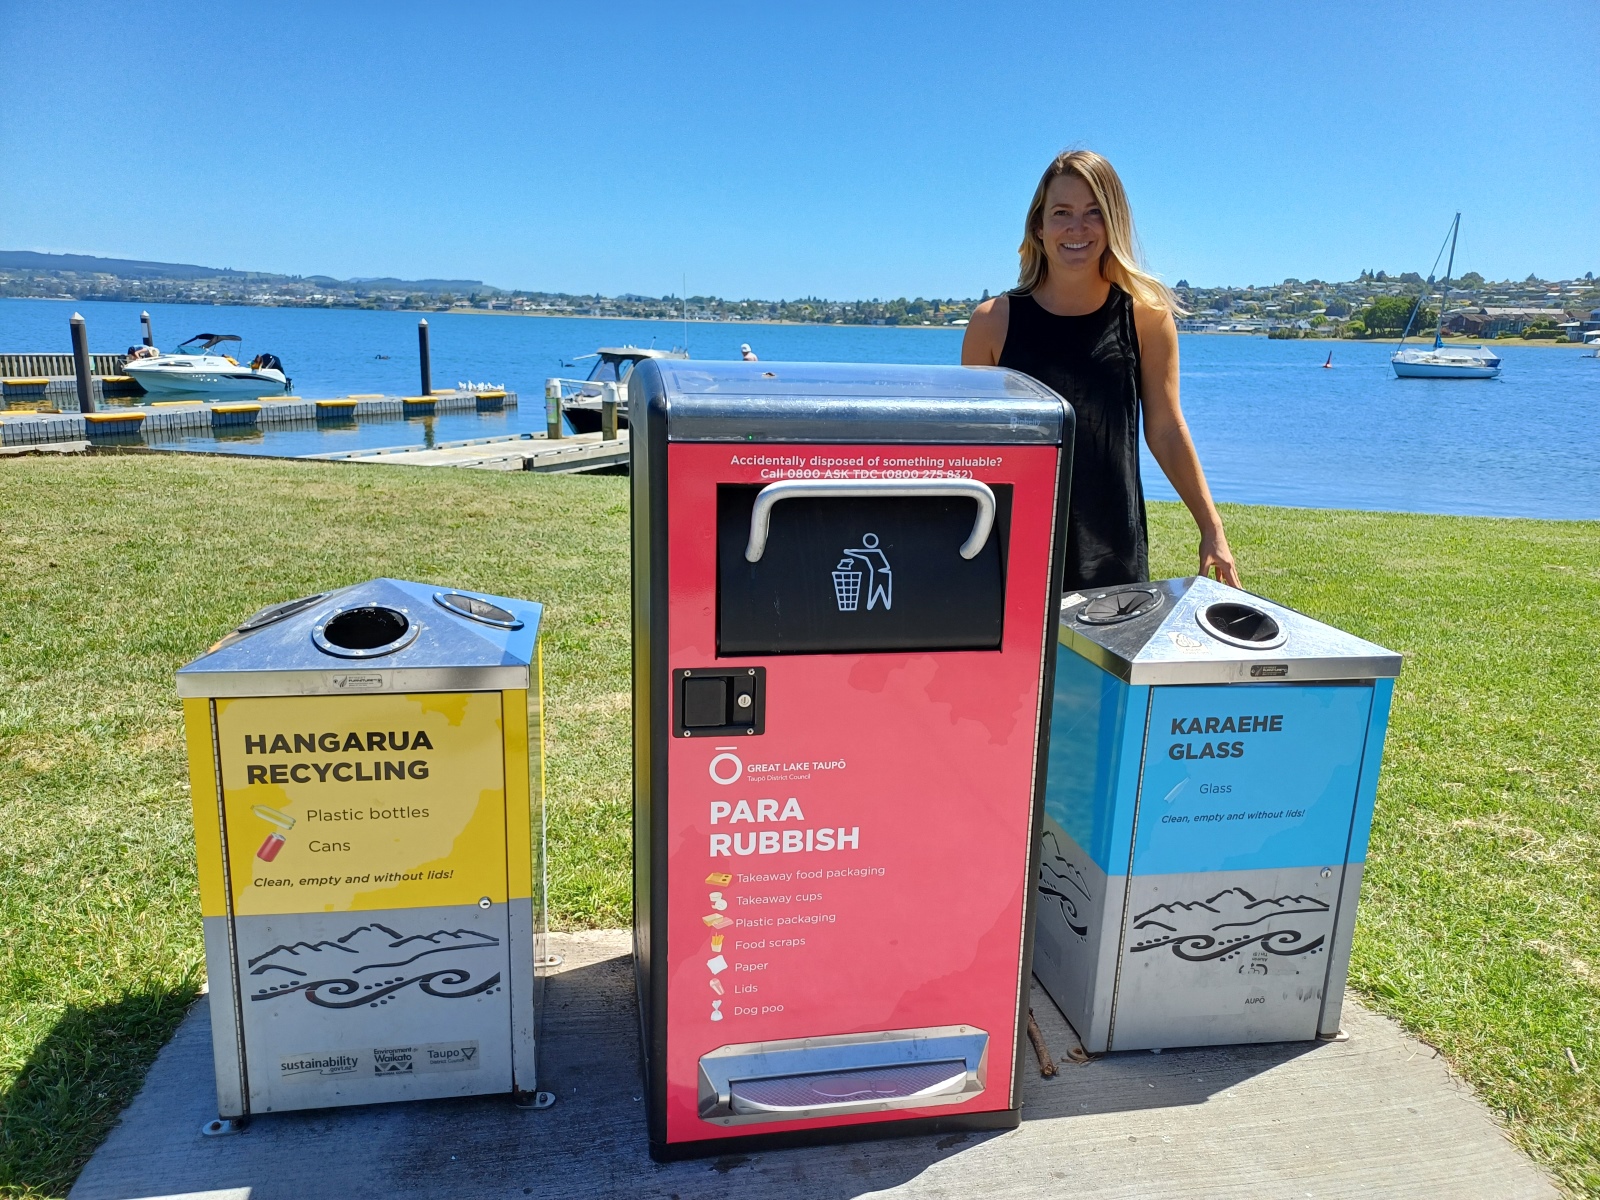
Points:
(129, 268)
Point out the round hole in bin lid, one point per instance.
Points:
(476, 608)
(1108, 608)
(277, 612)
(365, 632)
(1242, 625)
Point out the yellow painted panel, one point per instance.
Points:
(519, 806)
(354, 803)
(203, 796)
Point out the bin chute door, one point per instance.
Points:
(861, 566)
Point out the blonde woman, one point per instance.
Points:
(1087, 321)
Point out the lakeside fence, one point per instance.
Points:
(21, 366)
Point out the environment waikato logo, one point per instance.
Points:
(373, 964)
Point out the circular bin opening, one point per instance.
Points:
(475, 608)
(1241, 625)
(365, 632)
(277, 612)
(1108, 608)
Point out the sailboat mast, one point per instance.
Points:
(1444, 288)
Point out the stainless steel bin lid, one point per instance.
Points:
(1196, 630)
(385, 635)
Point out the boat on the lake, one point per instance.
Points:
(581, 398)
(200, 366)
(1441, 361)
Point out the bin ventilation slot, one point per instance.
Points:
(1108, 608)
(277, 612)
(1241, 625)
(365, 632)
(798, 1093)
(475, 608)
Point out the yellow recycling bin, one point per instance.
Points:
(367, 776)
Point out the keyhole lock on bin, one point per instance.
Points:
(719, 701)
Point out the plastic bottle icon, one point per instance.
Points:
(716, 1010)
(275, 839)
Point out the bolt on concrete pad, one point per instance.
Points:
(1379, 1115)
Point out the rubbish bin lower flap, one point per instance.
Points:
(841, 1074)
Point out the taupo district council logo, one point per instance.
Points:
(865, 566)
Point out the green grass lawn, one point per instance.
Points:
(1479, 924)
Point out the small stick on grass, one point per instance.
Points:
(1571, 1057)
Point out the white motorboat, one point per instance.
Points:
(1441, 361)
(205, 371)
(581, 398)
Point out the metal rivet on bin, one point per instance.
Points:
(486, 903)
(1327, 871)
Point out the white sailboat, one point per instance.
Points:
(1441, 361)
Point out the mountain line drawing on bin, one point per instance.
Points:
(1058, 873)
(334, 973)
(1196, 929)
(865, 563)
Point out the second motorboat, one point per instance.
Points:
(206, 369)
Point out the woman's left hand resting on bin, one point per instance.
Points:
(1167, 435)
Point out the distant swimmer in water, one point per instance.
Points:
(746, 353)
(1087, 320)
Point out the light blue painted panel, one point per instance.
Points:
(1250, 777)
(1096, 727)
(1371, 761)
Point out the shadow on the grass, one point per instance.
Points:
(67, 1096)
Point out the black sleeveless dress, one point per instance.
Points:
(1093, 362)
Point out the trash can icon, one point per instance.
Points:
(845, 590)
(366, 768)
(1213, 769)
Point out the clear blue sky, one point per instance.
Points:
(838, 149)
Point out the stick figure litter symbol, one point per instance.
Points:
(865, 564)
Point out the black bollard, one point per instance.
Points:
(149, 338)
(427, 361)
(80, 364)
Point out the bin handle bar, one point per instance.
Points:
(871, 489)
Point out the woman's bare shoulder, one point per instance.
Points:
(1155, 323)
(986, 332)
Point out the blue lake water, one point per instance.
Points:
(1271, 425)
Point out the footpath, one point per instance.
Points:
(1378, 1115)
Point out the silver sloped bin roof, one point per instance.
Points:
(1196, 630)
(385, 635)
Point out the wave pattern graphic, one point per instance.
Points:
(1195, 930)
(450, 983)
(336, 973)
(1061, 883)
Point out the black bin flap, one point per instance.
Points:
(858, 574)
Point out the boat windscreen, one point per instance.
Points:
(208, 340)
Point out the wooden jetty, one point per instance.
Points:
(519, 452)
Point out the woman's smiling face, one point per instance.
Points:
(1073, 227)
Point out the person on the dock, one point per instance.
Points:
(1088, 321)
(746, 353)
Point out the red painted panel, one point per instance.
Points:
(917, 768)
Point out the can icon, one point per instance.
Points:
(275, 839)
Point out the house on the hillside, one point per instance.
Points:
(1489, 322)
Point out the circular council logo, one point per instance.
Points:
(725, 767)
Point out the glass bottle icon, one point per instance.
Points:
(275, 839)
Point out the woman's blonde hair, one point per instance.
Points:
(1119, 262)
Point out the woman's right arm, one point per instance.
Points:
(986, 333)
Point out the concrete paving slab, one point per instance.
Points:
(1378, 1115)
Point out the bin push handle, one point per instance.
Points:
(870, 489)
